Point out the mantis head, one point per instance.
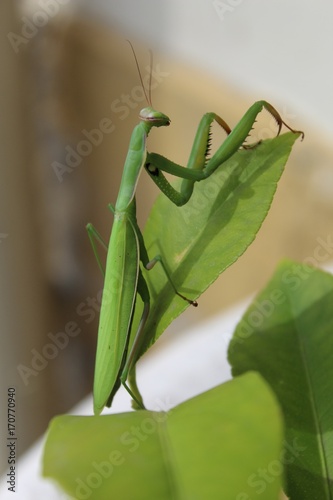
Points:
(149, 115)
(155, 118)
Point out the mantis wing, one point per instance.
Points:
(118, 300)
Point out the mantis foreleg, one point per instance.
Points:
(199, 167)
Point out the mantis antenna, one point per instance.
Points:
(148, 96)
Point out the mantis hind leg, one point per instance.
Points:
(128, 372)
(159, 259)
(128, 375)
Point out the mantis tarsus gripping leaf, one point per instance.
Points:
(115, 363)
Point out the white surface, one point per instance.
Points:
(204, 349)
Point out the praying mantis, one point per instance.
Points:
(126, 252)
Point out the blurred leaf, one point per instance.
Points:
(201, 239)
(214, 446)
(287, 336)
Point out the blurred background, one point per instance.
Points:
(70, 96)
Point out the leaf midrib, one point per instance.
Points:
(314, 405)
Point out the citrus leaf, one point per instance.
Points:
(204, 237)
(286, 335)
(212, 446)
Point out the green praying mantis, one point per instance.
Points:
(126, 252)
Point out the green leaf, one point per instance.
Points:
(201, 239)
(287, 336)
(214, 446)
